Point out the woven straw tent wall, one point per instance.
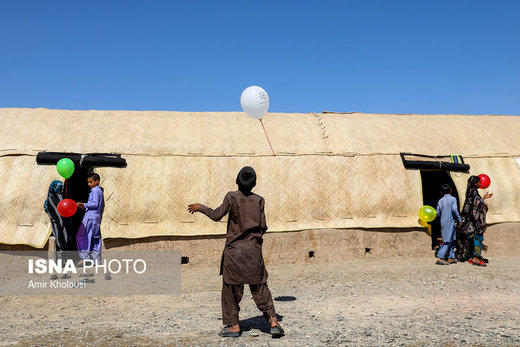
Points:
(330, 171)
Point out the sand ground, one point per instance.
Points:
(370, 301)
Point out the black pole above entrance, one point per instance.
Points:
(82, 160)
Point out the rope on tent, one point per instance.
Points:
(267, 137)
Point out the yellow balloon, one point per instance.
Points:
(427, 213)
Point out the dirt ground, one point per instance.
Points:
(371, 301)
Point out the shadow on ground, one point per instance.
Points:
(257, 322)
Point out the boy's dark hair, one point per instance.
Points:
(446, 188)
(246, 179)
(94, 176)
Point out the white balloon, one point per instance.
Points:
(255, 101)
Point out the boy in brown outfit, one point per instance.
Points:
(242, 261)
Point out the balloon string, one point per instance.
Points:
(267, 138)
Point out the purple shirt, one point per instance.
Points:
(95, 204)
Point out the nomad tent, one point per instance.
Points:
(328, 171)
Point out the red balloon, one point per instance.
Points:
(67, 207)
(485, 181)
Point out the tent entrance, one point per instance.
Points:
(76, 187)
(432, 181)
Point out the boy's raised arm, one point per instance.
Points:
(214, 214)
(192, 208)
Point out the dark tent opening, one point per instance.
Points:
(76, 187)
(432, 180)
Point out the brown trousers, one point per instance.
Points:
(232, 295)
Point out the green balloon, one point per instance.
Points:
(65, 167)
(427, 213)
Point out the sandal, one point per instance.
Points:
(277, 331)
(479, 263)
(226, 333)
(483, 259)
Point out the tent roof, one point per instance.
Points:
(235, 134)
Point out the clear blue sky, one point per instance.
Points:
(387, 56)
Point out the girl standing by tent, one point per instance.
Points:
(473, 223)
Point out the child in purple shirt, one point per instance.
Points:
(88, 238)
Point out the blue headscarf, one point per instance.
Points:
(56, 187)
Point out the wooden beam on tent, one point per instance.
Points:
(89, 159)
(431, 162)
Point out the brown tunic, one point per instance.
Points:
(242, 261)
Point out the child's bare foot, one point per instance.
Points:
(273, 321)
(235, 328)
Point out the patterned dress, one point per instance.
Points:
(471, 234)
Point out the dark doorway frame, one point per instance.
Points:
(431, 182)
